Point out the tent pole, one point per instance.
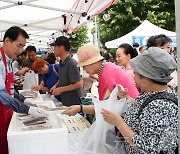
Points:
(177, 13)
(14, 3)
(96, 32)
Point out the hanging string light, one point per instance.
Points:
(106, 15)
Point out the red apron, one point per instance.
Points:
(5, 112)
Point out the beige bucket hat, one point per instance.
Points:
(88, 54)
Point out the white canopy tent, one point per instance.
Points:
(44, 20)
(141, 34)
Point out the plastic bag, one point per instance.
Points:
(100, 137)
(30, 80)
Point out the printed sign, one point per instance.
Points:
(142, 40)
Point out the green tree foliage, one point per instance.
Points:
(79, 37)
(126, 15)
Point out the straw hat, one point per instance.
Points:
(88, 54)
(155, 64)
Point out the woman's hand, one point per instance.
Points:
(72, 110)
(111, 117)
(122, 93)
(36, 88)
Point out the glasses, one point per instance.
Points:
(20, 46)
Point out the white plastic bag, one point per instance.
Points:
(101, 137)
(30, 80)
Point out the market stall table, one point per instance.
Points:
(62, 137)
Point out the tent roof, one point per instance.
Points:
(47, 19)
(145, 29)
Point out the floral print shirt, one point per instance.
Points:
(157, 126)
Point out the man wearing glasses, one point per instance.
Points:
(13, 42)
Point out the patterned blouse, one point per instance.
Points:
(156, 128)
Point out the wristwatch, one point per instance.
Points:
(81, 108)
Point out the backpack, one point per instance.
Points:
(160, 95)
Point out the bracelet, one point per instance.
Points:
(81, 108)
